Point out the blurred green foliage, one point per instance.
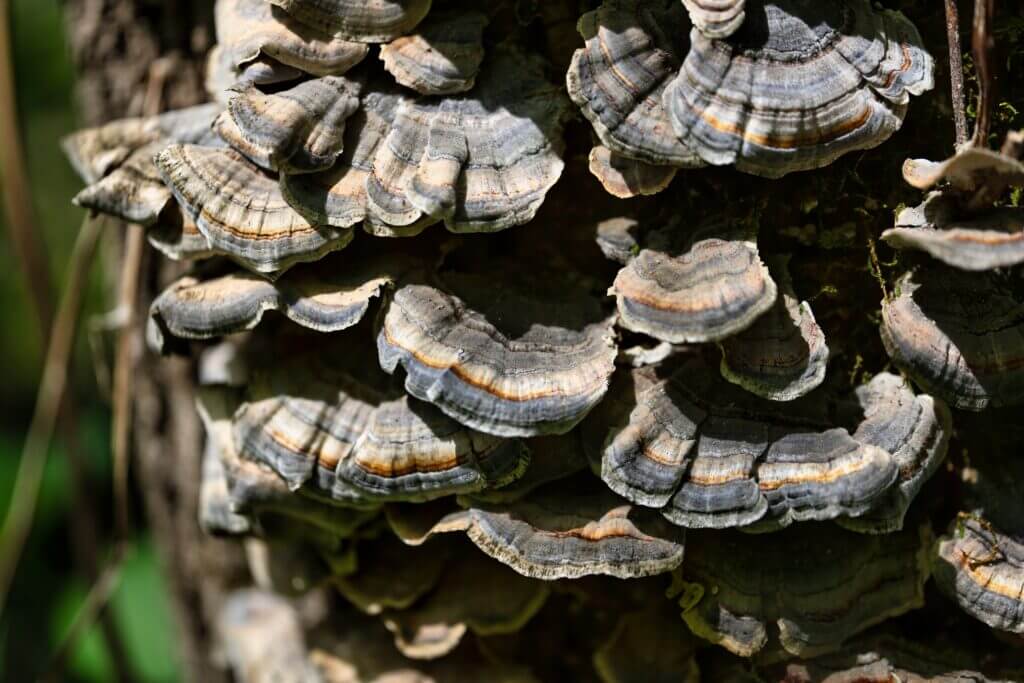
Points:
(48, 592)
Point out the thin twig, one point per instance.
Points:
(956, 72)
(124, 367)
(16, 194)
(95, 602)
(982, 46)
(21, 512)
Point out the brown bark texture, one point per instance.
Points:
(137, 57)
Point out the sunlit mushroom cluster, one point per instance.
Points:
(513, 415)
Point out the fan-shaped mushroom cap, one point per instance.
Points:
(442, 57)
(982, 569)
(716, 18)
(95, 152)
(338, 196)
(365, 21)
(626, 178)
(959, 335)
(817, 585)
(299, 130)
(249, 29)
(633, 49)
(800, 84)
(979, 173)
(563, 530)
(981, 241)
(475, 593)
(318, 297)
(482, 161)
(262, 638)
(510, 357)
(260, 495)
(782, 355)
(391, 575)
(693, 288)
(650, 646)
(241, 210)
(618, 239)
(133, 192)
(712, 456)
(331, 424)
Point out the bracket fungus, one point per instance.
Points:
(442, 57)
(810, 587)
(337, 197)
(298, 130)
(624, 177)
(633, 49)
(697, 287)
(981, 240)
(341, 432)
(976, 175)
(783, 354)
(507, 358)
(318, 297)
(559, 532)
(958, 335)
(241, 211)
(481, 161)
(716, 18)
(798, 85)
(365, 21)
(262, 637)
(250, 30)
(711, 456)
(391, 575)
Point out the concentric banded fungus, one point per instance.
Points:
(982, 569)
(716, 18)
(976, 174)
(551, 458)
(319, 297)
(338, 197)
(299, 130)
(391, 575)
(262, 638)
(250, 29)
(817, 585)
(800, 84)
(633, 49)
(475, 593)
(651, 646)
(561, 531)
(626, 178)
(117, 161)
(482, 161)
(241, 211)
(94, 152)
(257, 493)
(329, 426)
(216, 513)
(781, 356)
(222, 76)
(506, 357)
(712, 456)
(365, 21)
(177, 236)
(959, 335)
(981, 241)
(705, 289)
(442, 57)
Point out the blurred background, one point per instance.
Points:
(47, 592)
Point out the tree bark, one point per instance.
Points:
(139, 57)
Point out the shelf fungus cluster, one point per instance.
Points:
(568, 437)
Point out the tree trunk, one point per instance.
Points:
(140, 57)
